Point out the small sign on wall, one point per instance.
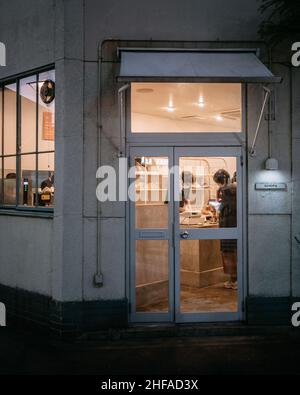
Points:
(271, 186)
(48, 126)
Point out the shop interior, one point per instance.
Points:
(204, 286)
(186, 107)
(207, 268)
(32, 164)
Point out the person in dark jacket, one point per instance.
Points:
(228, 219)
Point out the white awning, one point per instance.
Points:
(162, 65)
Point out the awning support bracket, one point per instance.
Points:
(266, 98)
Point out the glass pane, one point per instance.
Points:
(185, 107)
(9, 181)
(10, 121)
(28, 180)
(46, 135)
(46, 180)
(1, 180)
(28, 88)
(208, 192)
(151, 187)
(208, 276)
(1, 114)
(152, 277)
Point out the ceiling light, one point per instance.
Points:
(201, 102)
(170, 109)
(219, 118)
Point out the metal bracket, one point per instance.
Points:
(267, 95)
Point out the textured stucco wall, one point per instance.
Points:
(269, 222)
(27, 29)
(26, 253)
(295, 273)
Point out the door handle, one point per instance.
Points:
(297, 239)
(184, 235)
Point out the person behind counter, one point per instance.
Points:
(46, 190)
(48, 183)
(227, 219)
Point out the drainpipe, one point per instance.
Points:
(98, 277)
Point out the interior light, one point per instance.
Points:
(219, 117)
(201, 102)
(170, 109)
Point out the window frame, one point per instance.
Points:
(183, 139)
(18, 208)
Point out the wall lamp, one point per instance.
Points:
(271, 164)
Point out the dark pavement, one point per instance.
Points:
(272, 353)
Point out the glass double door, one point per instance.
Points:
(185, 234)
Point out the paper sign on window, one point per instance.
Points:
(48, 126)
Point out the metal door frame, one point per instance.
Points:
(211, 234)
(173, 235)
(151, 234)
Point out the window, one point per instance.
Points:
(186, 107)
(27, 141)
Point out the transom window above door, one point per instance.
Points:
(169, 107)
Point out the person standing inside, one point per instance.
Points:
(228, 219)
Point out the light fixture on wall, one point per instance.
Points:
(271, 164)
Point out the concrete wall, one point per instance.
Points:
(270, 211)
(26, 253)
(169, 20)
(27, 29)
(269, 236)
(71, 36)
(296, 183)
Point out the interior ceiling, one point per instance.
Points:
(219, 99)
